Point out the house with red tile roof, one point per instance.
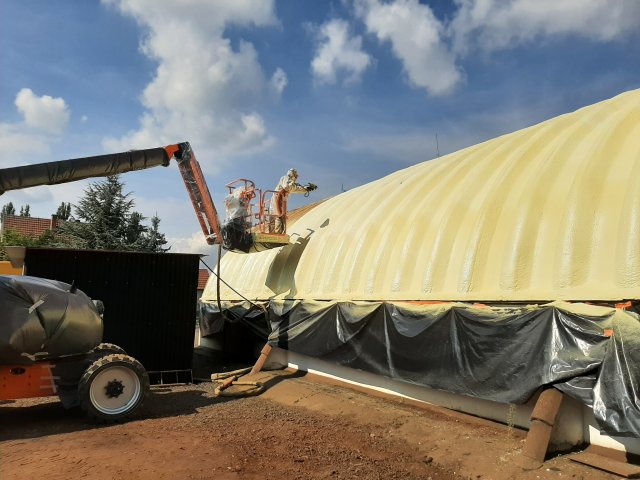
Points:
(31, 226)
(203, 276)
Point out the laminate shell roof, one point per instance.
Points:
(548, 212)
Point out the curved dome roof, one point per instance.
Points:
(548, 212)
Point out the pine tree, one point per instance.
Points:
(135, 235)
(154, 239)
(8, 209)
(105, 220)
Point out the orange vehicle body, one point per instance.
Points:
(27, 381)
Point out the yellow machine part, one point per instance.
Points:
(7, 269)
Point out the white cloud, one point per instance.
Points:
(15, 142)
(44, 120)
(336, 52)
(45, 113)
(191, 244)
(431, 49)
(499, 24)
(417, 38)
(204, 89)
(35, 197)
(279, 81)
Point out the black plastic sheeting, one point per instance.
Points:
(235, 236)
(251, 316)
(38, 315)
(500, 354)
(62, 171)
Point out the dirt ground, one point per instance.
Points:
(300, 428)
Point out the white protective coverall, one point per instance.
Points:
(287, 184)
(236, 205)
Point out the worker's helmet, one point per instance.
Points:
(292, 173)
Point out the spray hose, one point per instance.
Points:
(231, 378)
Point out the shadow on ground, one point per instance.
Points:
(34, 418)
(50, 418)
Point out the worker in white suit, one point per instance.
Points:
(278, 208)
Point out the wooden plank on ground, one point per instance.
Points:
(626, 470)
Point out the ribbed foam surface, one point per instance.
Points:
(548, 212)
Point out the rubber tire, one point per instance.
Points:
(103, 363)
(108, 349)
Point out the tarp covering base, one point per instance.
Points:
(504, 354)
(44, 316)
(252, 316)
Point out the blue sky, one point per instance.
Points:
(345, 91)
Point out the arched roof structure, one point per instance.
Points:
(548, 212)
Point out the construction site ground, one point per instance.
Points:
(299, 428)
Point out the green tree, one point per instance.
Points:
(104, 219)
(8, 209)
(154, 240)
(25, 210)
(13, 238)
(135, 234)
(64, 211)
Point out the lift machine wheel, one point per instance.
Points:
(108, 349)
(113, 388)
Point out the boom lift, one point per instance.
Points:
(248, 231)
(50, 332)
